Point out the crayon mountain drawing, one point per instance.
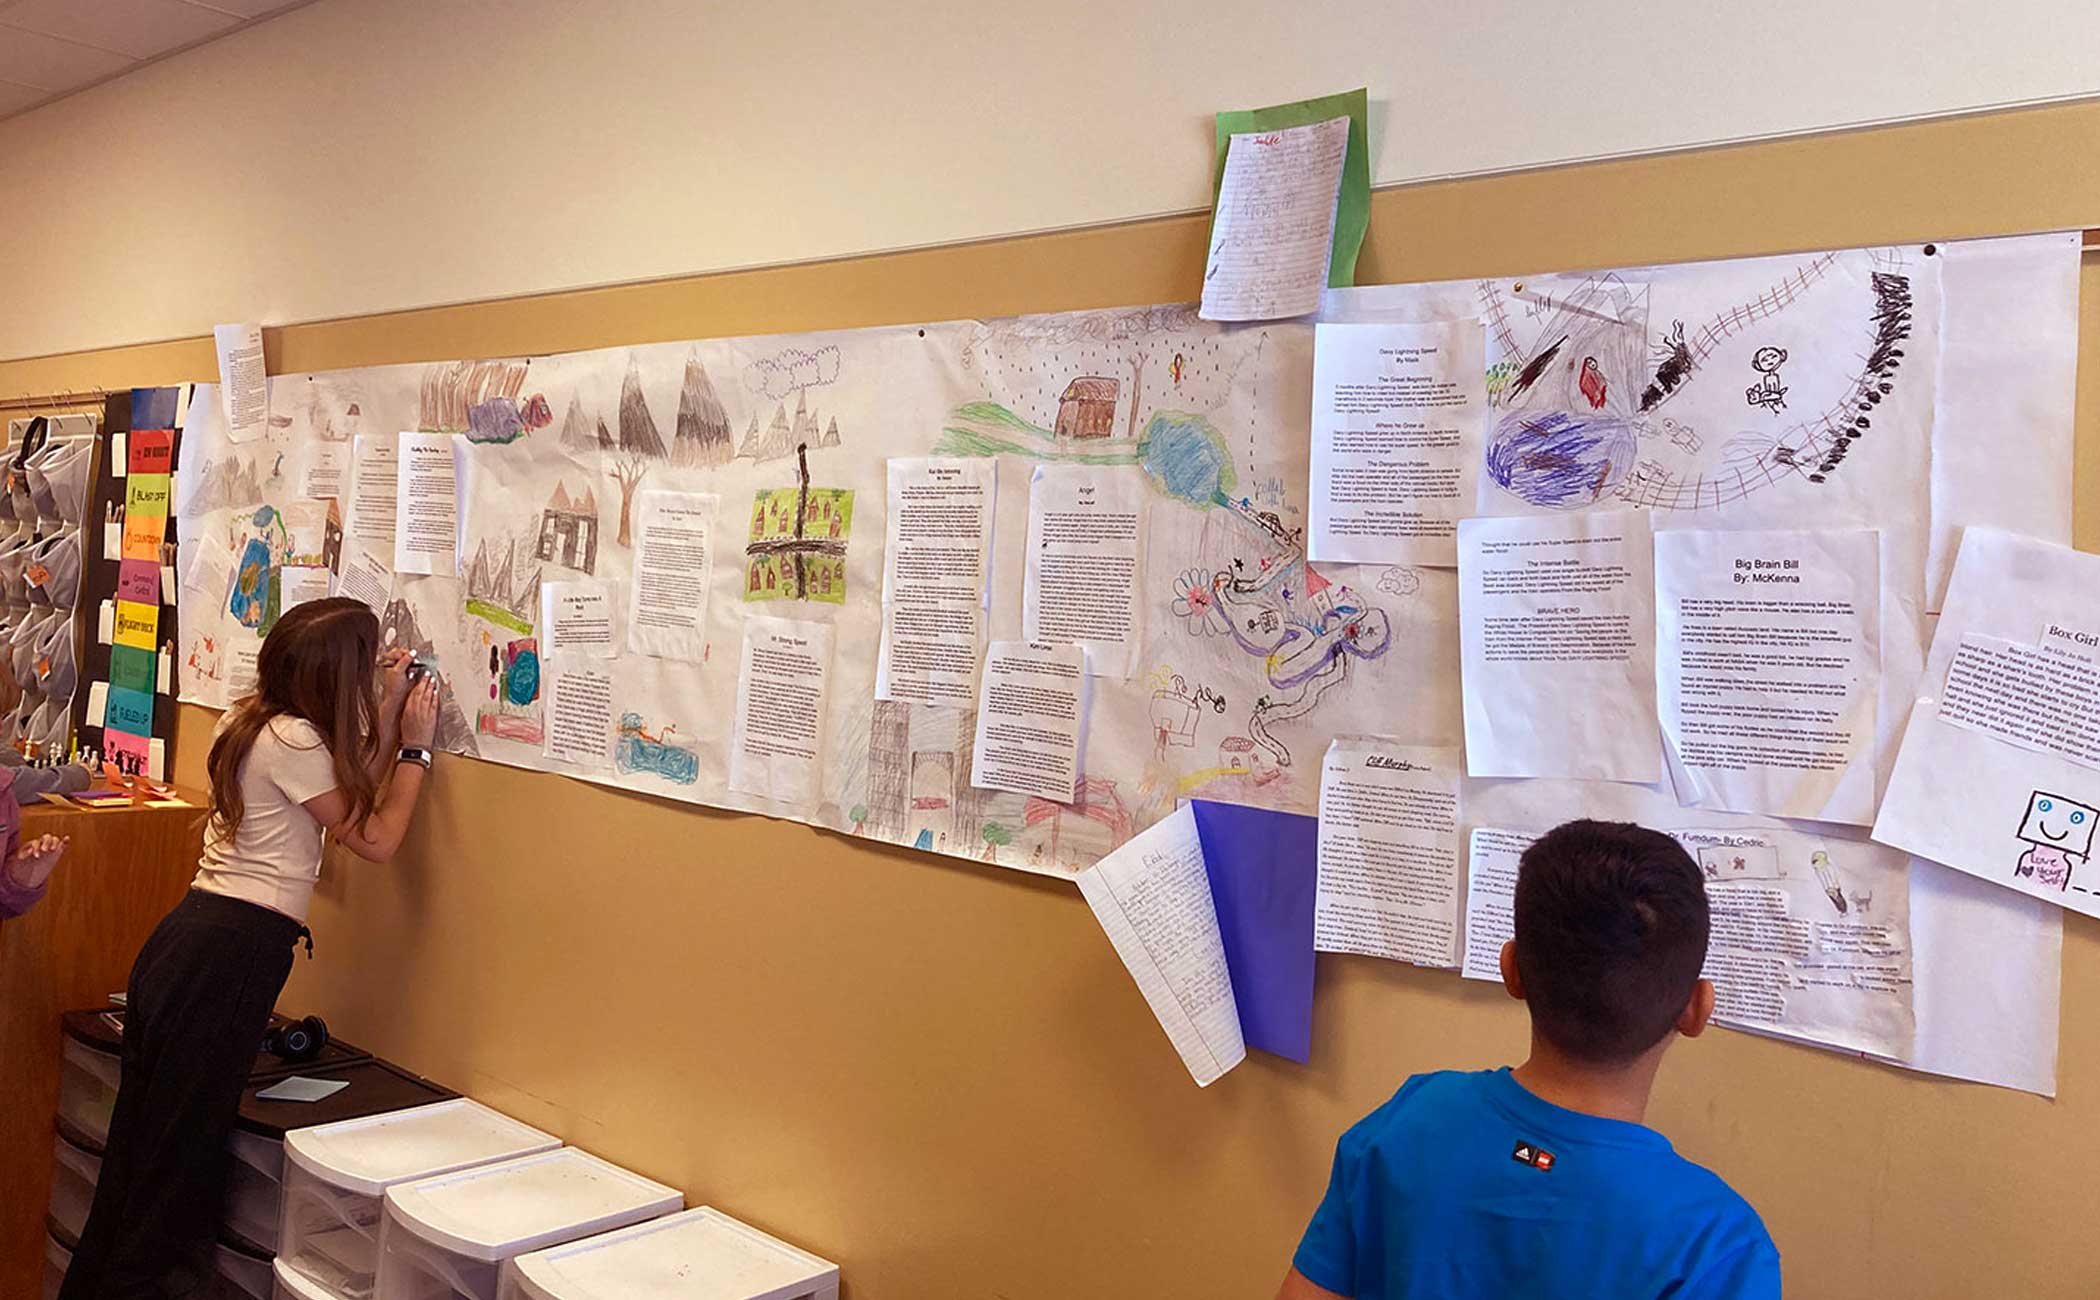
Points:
(791, 372)
(701, 436)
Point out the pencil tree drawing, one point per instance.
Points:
(640, 447)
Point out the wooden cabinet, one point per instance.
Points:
(124, 869)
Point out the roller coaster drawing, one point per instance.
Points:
(1305, 630)
(1584, 384)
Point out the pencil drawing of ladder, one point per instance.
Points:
(800, 546)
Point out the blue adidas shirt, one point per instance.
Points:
(1468, 1185)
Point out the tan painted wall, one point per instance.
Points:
(938, 1074)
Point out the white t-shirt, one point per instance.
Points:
(275, 858)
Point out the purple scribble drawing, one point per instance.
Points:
(1558, 458)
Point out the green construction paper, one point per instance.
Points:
(131, 669)
(1352, 213)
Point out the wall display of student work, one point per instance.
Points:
(1013, 590)
(50, 466)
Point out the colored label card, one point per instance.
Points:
(130, 753)
(143, 535)
(137, 624)
(146, 494)
(138, 581)
(132, 669)
(129, 711)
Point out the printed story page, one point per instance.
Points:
(1396, 425)
(1389, 850)
(1492, 858)
(576, 618)
(1768, 655)
(934, 578)
(1557, 636)
(1085, 549)
(375, 466)
(244, 385)
(1809, 936)
(1030, 719)
(322, 466)
(782, 683)
(427, 506)
(367, 579)
(674, 558)
(580, 715)
(2007, 717)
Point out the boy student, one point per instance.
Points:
(1542, 1180)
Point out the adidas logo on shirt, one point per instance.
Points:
(1530, 1153)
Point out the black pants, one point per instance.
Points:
(200, 998)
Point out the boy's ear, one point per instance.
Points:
(1698, 1010)
(1510, 979)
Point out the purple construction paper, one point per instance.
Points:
(1262, 877)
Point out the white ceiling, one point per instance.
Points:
(50, 48)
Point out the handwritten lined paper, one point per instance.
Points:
(1153, 900)
(1274, 229)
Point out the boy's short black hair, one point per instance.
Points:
(1611, 929)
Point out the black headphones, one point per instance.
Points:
(296, 1040)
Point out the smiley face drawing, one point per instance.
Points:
(2059, 833)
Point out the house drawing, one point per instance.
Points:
(569, 530)
(1238, 754)
(1088, 408)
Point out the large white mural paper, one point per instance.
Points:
(1791, 392)
(1245, 659)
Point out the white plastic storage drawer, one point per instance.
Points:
(240, 1276)
(74, 1174)
(255, 1189)
(444, 1237)
(87, 1088)
(335, 1175)
(291, 1284)
(702, 1254)
(57, 1259)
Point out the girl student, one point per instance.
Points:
(336, 740)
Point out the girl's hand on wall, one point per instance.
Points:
(394, 683)
(419, 714)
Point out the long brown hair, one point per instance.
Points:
(318, 663)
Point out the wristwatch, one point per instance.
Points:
(415, 754)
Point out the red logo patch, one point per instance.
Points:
(1531, 1153)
